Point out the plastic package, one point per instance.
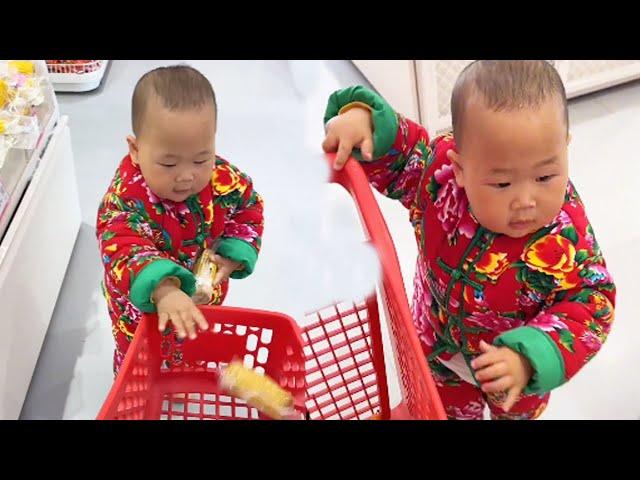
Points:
(20, 93)
(258, 391)
(205, 272)
(18, 131)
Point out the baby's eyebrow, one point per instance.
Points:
(548, 161)
(501, 170)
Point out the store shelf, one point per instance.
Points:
(34, 255)
(77, 78)
(39, 221)
(18, 165)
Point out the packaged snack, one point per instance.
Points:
(205, 272)
(258, 391)
(25, 67)
(18, 131)
(6, 94)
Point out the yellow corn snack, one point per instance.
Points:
(258, 391)
(4, 93)
(24, 67)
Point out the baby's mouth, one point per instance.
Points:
(521, 224)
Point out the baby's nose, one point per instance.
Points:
(184, 177)
(524, 201)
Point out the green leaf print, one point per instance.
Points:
(253, 198)
(433, 188)
(108, 235)
(603, 312)
(581, 297)
(581, 256)
(481, 277)
(395, 194)
(398, 164)
(426, 153)
(538, 281)
(168, 245)
(230, 200)
(566, 340)
(570, 234)
(607, 287)
(543, 232)
(475, 330)
(159, 208)
(594, 327)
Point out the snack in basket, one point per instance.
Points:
(205, 272)
(258, 391)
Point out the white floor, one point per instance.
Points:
(270, 125)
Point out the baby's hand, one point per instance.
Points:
(351, 129)
(500, 369)
(175, 305)
(225, 267)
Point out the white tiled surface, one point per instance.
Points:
(270, 125)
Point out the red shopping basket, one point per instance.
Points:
(188, 390)
(345, 363)
(335, 369)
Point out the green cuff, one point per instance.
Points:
(385, 120)
(543, 354)
(239, 251)
(151, 275)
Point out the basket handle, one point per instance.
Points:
(353, 178)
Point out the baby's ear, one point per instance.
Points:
(133, 149)
(454, 158)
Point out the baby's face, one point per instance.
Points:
(513, 166)
(175, 150)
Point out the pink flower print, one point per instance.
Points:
(562, 220)
(240, 231)
(452, 205)
(591, 341)
(547, 323)
(471, 411)
(493, 322)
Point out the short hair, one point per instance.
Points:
(506, 85)
(178, 87)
